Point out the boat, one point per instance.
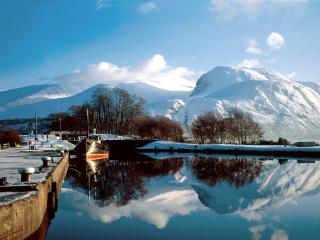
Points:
(90, 150)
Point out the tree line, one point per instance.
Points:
(108, 111)
(158, 128)
(115, 111)
(236, 127)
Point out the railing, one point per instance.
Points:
(5, 146)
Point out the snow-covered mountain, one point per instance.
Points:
(43, 99)
(284, 107)
(31, 94)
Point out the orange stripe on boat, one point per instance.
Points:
(96, 156)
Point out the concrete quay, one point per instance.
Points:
(24, 205)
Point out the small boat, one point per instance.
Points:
(89, 149)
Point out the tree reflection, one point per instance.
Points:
(237, 172)
(118, 182)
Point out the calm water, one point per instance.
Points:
(190, 198)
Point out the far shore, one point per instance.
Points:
(271, 150)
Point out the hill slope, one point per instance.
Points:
(46, 106)
(283, 106)
(30, 94)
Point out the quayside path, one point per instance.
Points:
(30, 183)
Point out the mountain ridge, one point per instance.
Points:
(62, 104)
(284, 107)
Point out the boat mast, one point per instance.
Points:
(36, 131)
(60, 126)
(87, 122)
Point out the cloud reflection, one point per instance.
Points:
(154, 209)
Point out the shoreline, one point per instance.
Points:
(270, 150)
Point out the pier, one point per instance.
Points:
(24, 204)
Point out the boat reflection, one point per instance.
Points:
(112, 181)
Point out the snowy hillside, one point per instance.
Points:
(31, 94)
(45, 104)
(283, 106)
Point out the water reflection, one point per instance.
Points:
(223, 185)
(264, 194)
(119, 182)
(237, 172)
(278, 186)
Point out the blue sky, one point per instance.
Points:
(41, 40)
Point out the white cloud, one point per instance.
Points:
(100, 4)
(154, 71)
(279, 234)
(291, 75)
(147, 7)
(257, 231)
(275, 40)
(249, 63)
(253, 46)
(229, 9)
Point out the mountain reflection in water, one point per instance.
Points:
(260, 194)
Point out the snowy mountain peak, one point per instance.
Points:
(31, 94)
(224, 76)
(284, 107)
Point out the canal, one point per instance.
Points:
(189, 198)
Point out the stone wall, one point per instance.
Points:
(21, 218)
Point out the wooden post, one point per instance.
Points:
(51, 204)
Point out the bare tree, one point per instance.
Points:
(110, 111)
(236, 127)
(158, 128)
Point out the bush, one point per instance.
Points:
(283, 141)
(266, 142)
(158, 128)
(10, 136)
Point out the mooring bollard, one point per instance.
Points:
(61, 152)
(3, 181)
(26, 174)
(45, 161)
